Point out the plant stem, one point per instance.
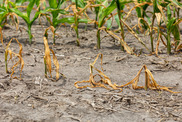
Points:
(168, 43)
(54, 39)
(77, 36)
(95, 25)
(151, 33)
(121, 25)
(6, 63)
(122, 30)
(76, 29)
(98, 39)
(45, 66)
(146, 81)
(30, 34)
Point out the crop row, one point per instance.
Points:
(164, 18)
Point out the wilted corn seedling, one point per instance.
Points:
(11, 55)
(47, 58)
(150, 83)
(104, 80)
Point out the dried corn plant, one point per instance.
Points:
(47, 57)
(104, 80)
(12, 54)
(150, 83)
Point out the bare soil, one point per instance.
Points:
(36, 98)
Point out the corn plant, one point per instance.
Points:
(81, 4)
(103, 14)
(47, 57)
(172, 27)
(171, 22)
(120, 6)
(78, 16)
(53, 13)
(142, 14)
(79, 7)
(98, 4)
(26, 15)
(5, 13)
(12, 54)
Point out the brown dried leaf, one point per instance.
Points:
(47, 55)
(56, 63)
(179, 47)
(158, 16)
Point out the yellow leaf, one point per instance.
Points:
(56, 63)
(47, 55)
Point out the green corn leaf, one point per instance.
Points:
(53, 3)
(20, 2)
(106, 12)
(155, 6)
(37, 3)
(12, 4)
(79, 3)
(117, 20)
(178, 4)
(176, 32)
(34, 18)
(101, 8)
(168, 12)
(20, 14)
(170, 24)
(60, 2)
(83, 21)
(3, 13)
(109, 24)
(71, 20)
(30, 7)
(120, 4)
(148, 18)
(60, 11)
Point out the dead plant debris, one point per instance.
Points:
(105, 81)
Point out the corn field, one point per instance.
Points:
(50, 52)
